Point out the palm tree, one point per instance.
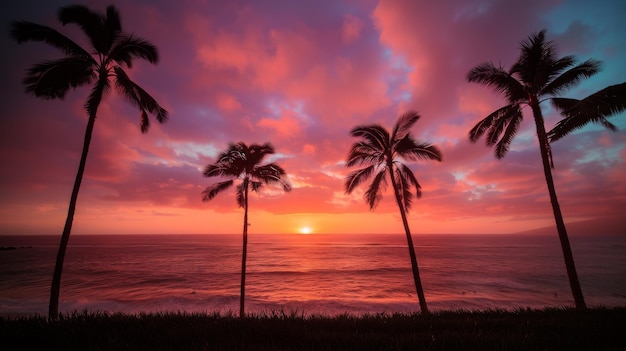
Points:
(537, 76)
(243, 162)
(382, 155)
(111, 49)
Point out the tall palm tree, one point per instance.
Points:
(111, 49)
(383, 156)
(243, 162)
(537, 76)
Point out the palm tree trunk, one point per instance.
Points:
(53, 308)
(544, 145)
(415, 268)
(242, 293)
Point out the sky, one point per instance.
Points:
(301, 74)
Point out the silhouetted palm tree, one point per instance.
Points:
(540, 75)
(110, 50)
(243, 162)
(383, 154)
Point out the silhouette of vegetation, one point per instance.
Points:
(111, 49)
(523, 329)
(243, 162)
(592, 109)
(537, 76)
(383, 154)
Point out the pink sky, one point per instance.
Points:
(301, 74)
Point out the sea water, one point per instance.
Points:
(307, 274)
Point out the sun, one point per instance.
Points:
(305, 230)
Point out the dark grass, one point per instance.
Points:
(524, 329)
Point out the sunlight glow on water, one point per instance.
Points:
(328, 274)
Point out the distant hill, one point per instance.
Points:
(597, 226)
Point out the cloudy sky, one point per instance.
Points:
(301, 74)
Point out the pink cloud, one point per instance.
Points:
(287, 125)
(228, 103)
(301, 75)
(351, 28)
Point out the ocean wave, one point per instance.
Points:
(325, 275)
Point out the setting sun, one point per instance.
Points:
(305, 230)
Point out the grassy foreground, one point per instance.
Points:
(550, 329)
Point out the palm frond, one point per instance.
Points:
(139, 97)
(498, 78)
(373, 194)
(404, 124)
(494, 124)
(513, 123)
(212, 190)
(242, 161)
(92, 23)
(255, 154)
(411, 150)
(561, 64)
(24, 31)
(220, 169)
(479, 129)
(52, 79)
(270, 170)
(240, 193)
(487, 73)
(374, 135)
(497, 128)
(533, 67)
(129, 47)
(357, 177)
(113, 22)
(272, 173)
(255, 185)
(405, 179)
(144, 121)
(571, 77)
(225, 153)
(234, 158)
(407, 173)
(364, 154)
(100, 89)
(595, 108)
(286, 186)
(562, 104)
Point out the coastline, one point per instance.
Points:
(327, 274)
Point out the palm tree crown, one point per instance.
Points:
(112, 50)
(383, 154)
(241, 161)
(538, 74)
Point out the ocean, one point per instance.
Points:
(326, 274)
